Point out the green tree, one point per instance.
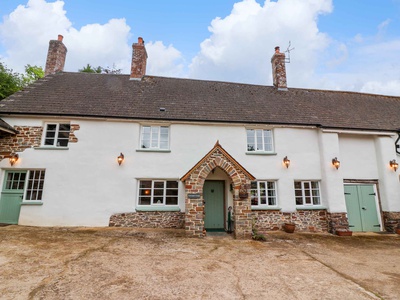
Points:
(90, 69)
(100, 70)
(32, 73)
(10, 81)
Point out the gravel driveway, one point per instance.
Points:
(120, 263)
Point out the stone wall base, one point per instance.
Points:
(391, 220)
(305, 220)
(148, 219)
(337, 221)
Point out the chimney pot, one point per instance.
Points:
(60, 37)
(140, 40)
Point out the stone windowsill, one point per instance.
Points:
(160, 208)
(311, 207)
(32, 203)
(50, 148)
(153, 150)
(260, 153)
(265, 208)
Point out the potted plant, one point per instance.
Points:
(344, 232)
(289, 226)
(397, 230)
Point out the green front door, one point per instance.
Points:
(11, 196)
(361, 207)
(213, 192)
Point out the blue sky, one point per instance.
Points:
(349, 45)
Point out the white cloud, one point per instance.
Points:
(26, 32)
(164, 61)
(391, 87)
(241, 44)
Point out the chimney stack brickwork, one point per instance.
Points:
(279, 70)
(139, 60)
(55, 56)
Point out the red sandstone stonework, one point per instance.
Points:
(194, 181)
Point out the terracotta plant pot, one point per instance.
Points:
(289, 227)
(344, 232)
(398, 230)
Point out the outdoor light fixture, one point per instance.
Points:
(120, 159)
(13, 158)
(336, 163)
(286, 161)
(394, 165)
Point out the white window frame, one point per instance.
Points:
(267, 190)
(307, 192)
(29, 185)
(259, 148)
(151, 194)
(154, 136)
(56, 134)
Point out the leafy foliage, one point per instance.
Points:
(11, 82)
(100, 70)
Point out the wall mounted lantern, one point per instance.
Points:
(13, 158)
(286, 161)
(394, 165)
(120, 158)
(336, 163)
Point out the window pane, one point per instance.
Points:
(144, 200)
(50, 134)
(172, 184)
(158, 184)
(62, 143)
(171, 201)
(51, 127)
(158, 200)
(250, 140)
(64, 127)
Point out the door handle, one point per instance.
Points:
(364, 208)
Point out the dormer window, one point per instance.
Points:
(56, 134)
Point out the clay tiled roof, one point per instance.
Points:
(115, 96)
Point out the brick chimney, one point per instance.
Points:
(279, 70)
(139, 60)
(55, 56)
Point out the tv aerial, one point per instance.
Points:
(287, 59)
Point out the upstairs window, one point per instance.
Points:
(307, 193)
(155, 137)
(263, 193)
(259, 140)
(158, 192)
(57, 134)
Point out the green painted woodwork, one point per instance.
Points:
(11, 196)
(361, 207)
(213, 193)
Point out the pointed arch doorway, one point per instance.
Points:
(195, 201)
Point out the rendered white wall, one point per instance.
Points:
(84, 185)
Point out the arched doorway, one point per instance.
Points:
(195, 203)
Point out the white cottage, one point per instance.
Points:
(81, 149)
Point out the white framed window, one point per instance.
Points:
(259, 140)
(56, 134)
(154, 137)
(28, 182)
(158, 192)
(307, 193)
(263, 193)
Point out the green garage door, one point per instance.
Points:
(361, 207)
(213, 193)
